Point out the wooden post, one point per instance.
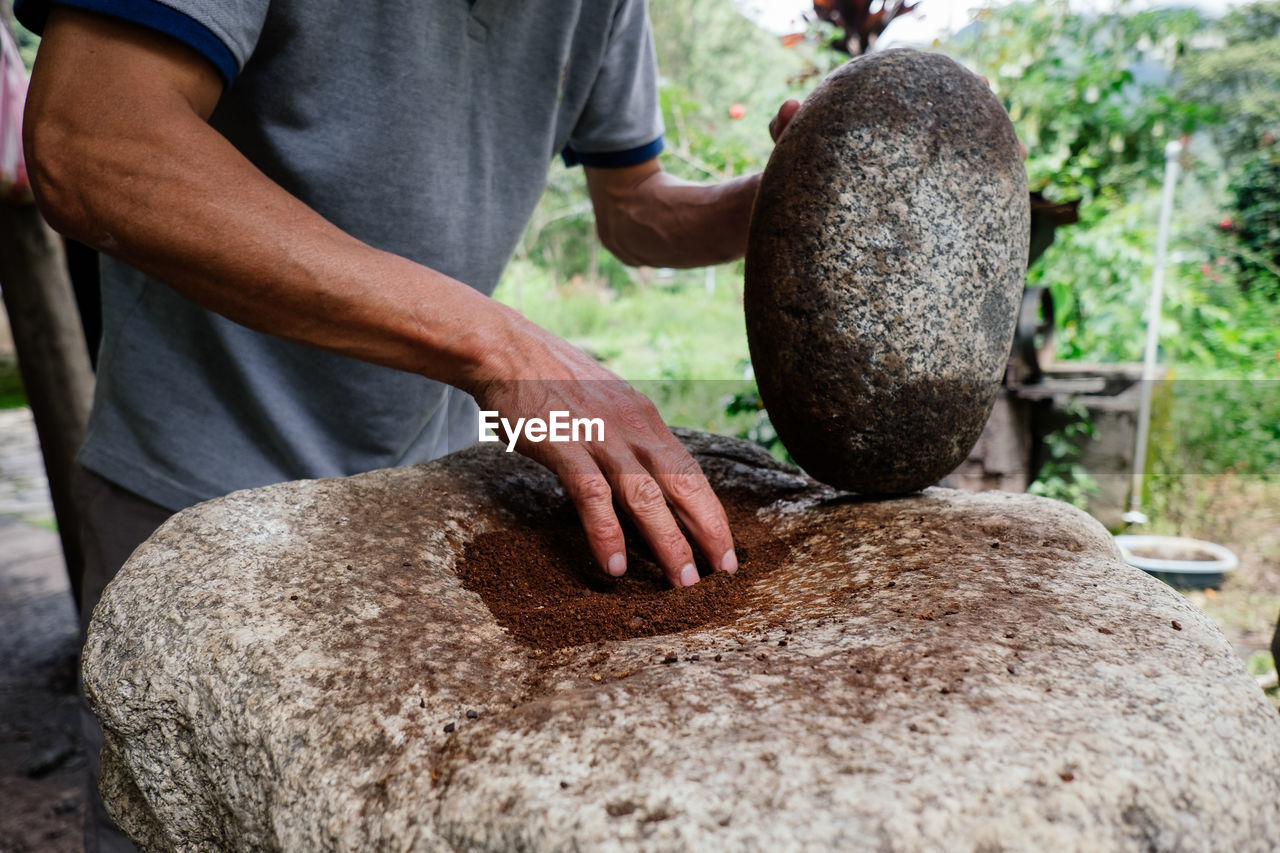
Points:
(52, 357)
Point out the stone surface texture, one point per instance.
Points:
(887, 251)
(275, 670)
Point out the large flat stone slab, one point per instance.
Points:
(292, 668)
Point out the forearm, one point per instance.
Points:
(660, 220)
(648, 217)
(232, 241)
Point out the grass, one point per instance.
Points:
(12, 395)
(49, 524)
(1260, 665)
(676, 341)
(668, 328)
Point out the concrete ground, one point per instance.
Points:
(42, 764)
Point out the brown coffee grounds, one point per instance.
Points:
(541, 583)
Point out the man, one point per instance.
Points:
(302, 206)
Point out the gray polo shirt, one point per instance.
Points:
(422, 128)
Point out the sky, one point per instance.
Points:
(935, 18)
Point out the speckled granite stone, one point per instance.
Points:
(887, 251)
(275, 670)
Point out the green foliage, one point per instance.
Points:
(1211, 324)
(1088, 94)
(1219, 341)
(709, 58)
(757, 428)
(1095, 99)
(1061, 476)
(27, 42)
(1092, 128)
(1200, 431)
(1205, 427)
(720, 57)
(1256, 202)
(697, 148)
(12, 394)
(1234, 69)
(1260, 663)
(1096, 276)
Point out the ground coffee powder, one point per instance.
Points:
(540, 582)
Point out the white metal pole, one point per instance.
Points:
(1172, 152)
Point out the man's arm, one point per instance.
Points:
(646, 216)
(123, 159)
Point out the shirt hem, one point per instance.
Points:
(612, 159)
(158, 490)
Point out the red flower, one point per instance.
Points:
(737, 111)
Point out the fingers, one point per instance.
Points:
(786, 112)
(655, 481)
(637, 465)
(643, 499)
(686, 493)
(696, 505)
(593, 497)
(676, 489)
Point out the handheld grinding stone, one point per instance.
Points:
(885, 263)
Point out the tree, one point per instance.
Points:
(1255, 225)
(712, 59)
(1236, 71)
(1090, 95)
(860, 25)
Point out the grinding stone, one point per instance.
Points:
(886, 257)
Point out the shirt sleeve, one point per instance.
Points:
(621, 124)
(223, 31)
